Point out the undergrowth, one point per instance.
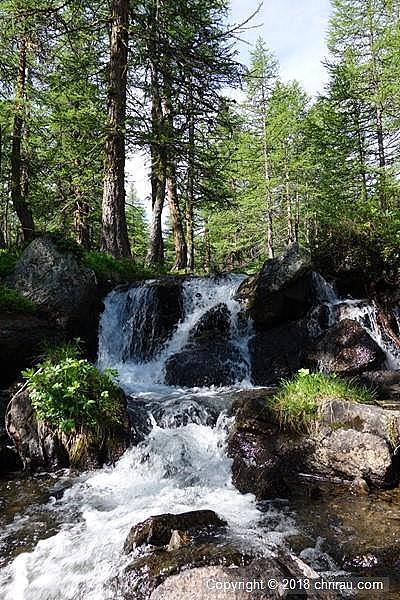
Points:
(296, 402)
(11, 301)
(69, 392)
(7, 262)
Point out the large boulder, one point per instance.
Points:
(43, 447)
(21, 340)
(347, 349)
(278, 353)
(216, 322)
(283, 290)
(348, 441)
(205, 362)
(155, 319)
(243, 582)
(63, 289)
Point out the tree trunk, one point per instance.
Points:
(81, 224)
(114, 230)
(190, 190)
(172, 194)
(18, 185)
(289, 208)
(176, 220)
(155, 255)
(268, 199)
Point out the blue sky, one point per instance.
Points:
(294, 30)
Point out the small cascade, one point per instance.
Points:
(332, 309)
(145, 342)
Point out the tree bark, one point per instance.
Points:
(176, 220)
(18, 184)
(114, 230)
(172, 194)
(190, 189)
(155, 255)
(268, 199)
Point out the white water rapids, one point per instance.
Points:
(175, 469)
(180, 466)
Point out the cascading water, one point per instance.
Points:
(366, 313)
(181, 464)
(129, 317)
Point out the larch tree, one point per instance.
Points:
(114, 230)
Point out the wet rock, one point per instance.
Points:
(144, 574)
(157, 530)
(214, 323)
(42, 447)
(264, 465)
(156, 320)
(283, 290)
(278, 353)
(385, 383)
(346, 349)
(205, 362)
(240, 583)
(359, 487)
(62, 288)
(21, 341)
(348, 441)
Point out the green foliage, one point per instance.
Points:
(7, 262)
(296, 403)
(69, 392)
(12, 301)
(107, 267)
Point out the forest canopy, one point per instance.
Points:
(85, 84)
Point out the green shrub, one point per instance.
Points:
(296, 403)
(108, 267)
(69, 392)
(7, 262)
(12, 301)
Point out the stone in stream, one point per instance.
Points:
(347, 349)
(216, 323)
(348, 441)
(157, 530)
(205, 362)
(278, 353)
(283, 290)
(385, 383)
(183, 573)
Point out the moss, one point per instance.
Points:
(11, 301)
(296, 402)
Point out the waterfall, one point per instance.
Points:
(129, 339)
(332, 309)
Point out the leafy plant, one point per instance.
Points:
(69, 392)
(296, 403)
(12, 301)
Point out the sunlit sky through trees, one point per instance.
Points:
(294, 30)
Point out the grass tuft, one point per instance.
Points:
(296, 403)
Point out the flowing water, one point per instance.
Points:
(65, 543)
